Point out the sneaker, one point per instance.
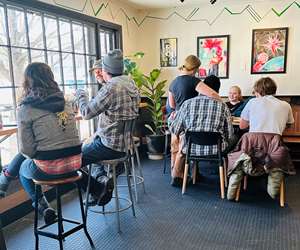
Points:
(120, 169)
(49, 215)
(45, 210)
(108, 188)
(92, 201)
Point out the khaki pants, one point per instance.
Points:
(177, 158)
(275, 177)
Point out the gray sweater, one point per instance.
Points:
(42, 133)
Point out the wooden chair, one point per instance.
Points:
(204, 139)
(167, 153)
(281, 193)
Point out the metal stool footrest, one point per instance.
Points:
(129, 205)
(140, 178)
(65, 234)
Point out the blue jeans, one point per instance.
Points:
(29, 170)
(96, 151)
(13, 167)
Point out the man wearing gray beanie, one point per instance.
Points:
(117, 101)
(112, 63)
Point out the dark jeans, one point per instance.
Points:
(13, 167)
(96, 151)
(29, 171)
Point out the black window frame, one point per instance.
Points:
(59, 13)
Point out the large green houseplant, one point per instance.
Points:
(151, 87)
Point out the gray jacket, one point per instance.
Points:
(43, 132)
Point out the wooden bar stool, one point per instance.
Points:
(57, 184)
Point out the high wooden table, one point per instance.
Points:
(6, 132)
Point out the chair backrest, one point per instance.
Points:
(204, 139)
(128, 130)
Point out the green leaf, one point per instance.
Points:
(150, 128)
(150, 87)
(154, 74)
(158, 106)
(139, 54)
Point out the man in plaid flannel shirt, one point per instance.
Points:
(117, 101)
(202, 113)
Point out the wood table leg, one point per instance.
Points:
(282, 193)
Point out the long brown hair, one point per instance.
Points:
(39, 81)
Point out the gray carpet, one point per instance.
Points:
(167, 220)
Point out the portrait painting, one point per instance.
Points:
(269, 50)
(213, 52)
(168, 52)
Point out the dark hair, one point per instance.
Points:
(265, 86)
(38, 77)
(213, 82)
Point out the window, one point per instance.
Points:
(66, 44)
(69, 42)
(107, 40)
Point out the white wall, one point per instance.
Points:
(239, 27)
(146, 33)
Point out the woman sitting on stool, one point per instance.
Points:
(47, 134)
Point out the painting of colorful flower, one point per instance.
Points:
(213, 52)
(269, 50)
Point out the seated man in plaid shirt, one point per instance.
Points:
(202, 113)
(117, 101)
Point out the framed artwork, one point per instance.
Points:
(213, 52)
(269, 51)
(168, 52)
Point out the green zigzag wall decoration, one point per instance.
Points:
(253, 13)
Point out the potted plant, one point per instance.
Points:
(152, 88)
(132, 68)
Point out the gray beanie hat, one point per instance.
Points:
(113, 62)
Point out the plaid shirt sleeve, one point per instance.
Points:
(97, 105)
(178, 124)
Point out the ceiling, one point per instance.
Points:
(149, 4)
